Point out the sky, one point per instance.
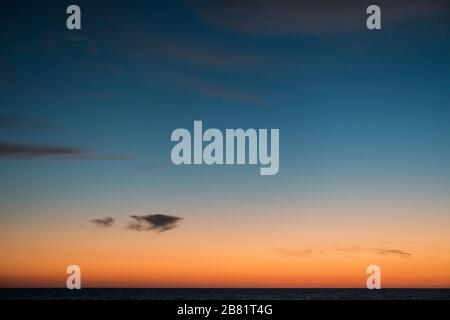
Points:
(86, 116)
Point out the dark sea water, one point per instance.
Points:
(224, 294)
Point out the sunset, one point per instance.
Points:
(300, 148)
(317, 250)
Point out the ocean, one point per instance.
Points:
(223, 294)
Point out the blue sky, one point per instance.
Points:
(356, 108)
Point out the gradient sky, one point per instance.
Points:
(364, 119)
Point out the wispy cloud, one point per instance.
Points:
(29, 151)
(32, 151)
(24, 123)
(155, 222)
(304, 17)
(393, 251)
(204, 56)
(351, 250)
(103, 222)
(293, 252)
(211, 88)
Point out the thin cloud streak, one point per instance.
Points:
(24, 123)
(209, 88)
(308, 251)
(393, 251)
(32, 151)
(301, 17)
(293, 252)
(29, 151)
(207, 57)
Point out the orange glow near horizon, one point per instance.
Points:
(279, 254)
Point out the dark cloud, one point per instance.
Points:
(30, 151)
(103, 222)
(155, 222)
(306, 17)
(27, 151)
